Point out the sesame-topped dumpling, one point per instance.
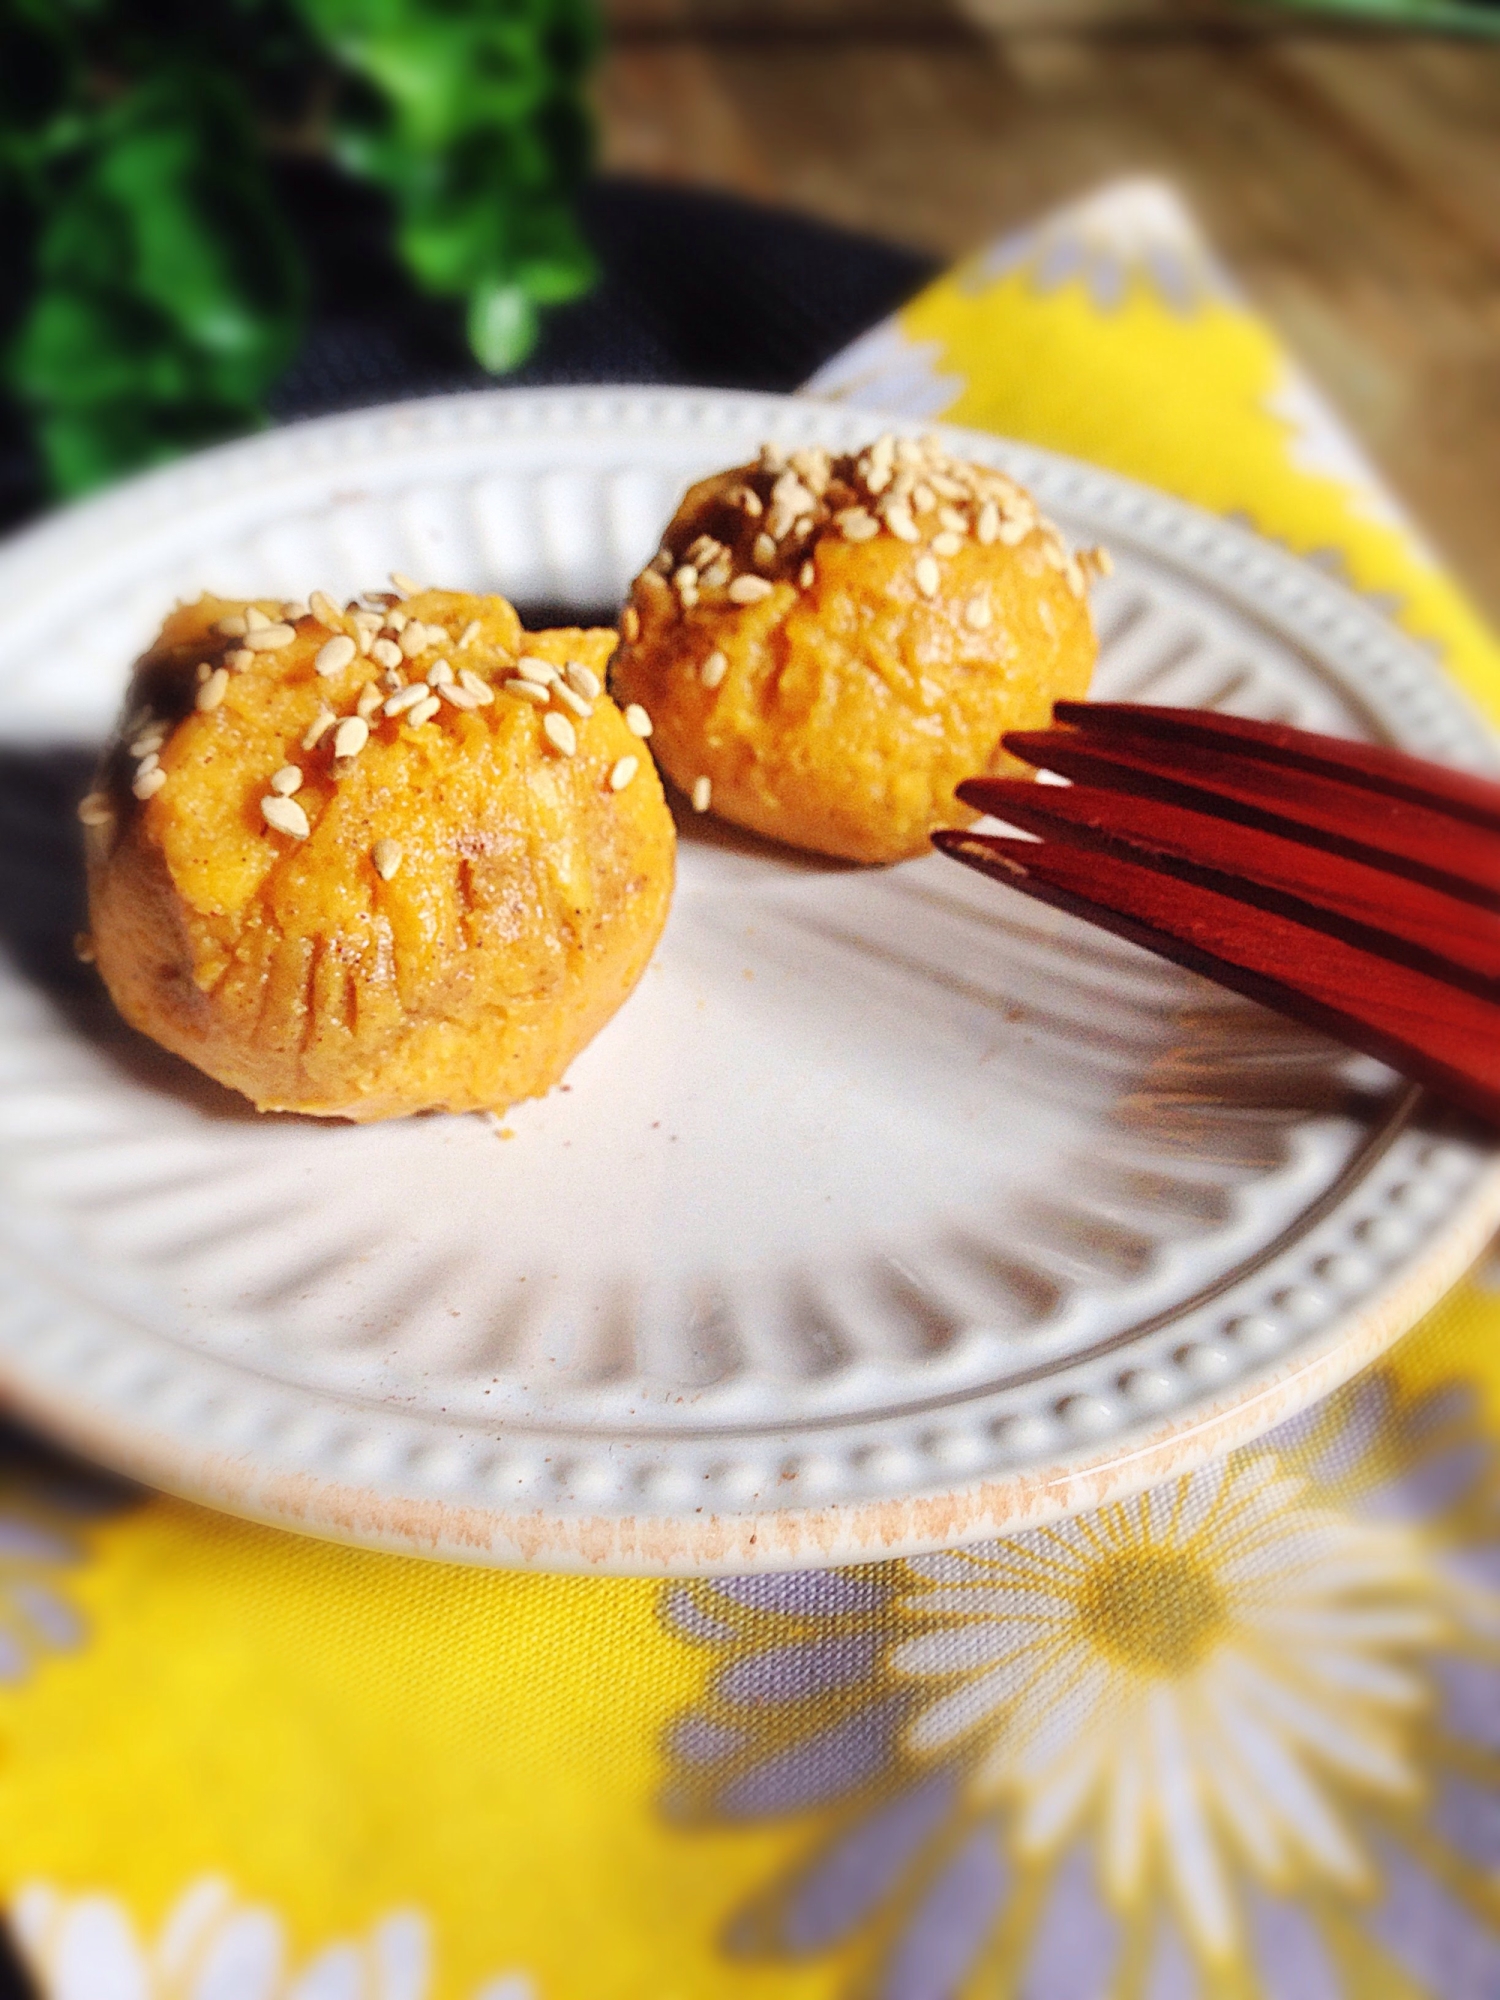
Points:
(827, 645)
(373, 859)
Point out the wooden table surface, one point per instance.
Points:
(1352, 179)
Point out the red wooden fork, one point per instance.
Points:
(1355, 889)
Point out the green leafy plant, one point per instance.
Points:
(160, 291)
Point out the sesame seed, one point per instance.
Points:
(749, 590)
(148, 763)
(469, 634)
(623, 772)
(287, 780)
(403, 585)
(923, 499)
(953, 521)
(285, 815)
(386, 855)
(294, 609)
(351, 736)
(95, 810)
(367, 621)
(703, 550)
(855, 524)
(439, 674)
(386, 653)
(365, 639)
(987, 527)
(630, 623)
(406, 698)
(898, 519)
(456, 696)
(772, 457)
(234, 626)
(318, 728)
(520, 690)
(414, 639)
(335, 654)
(325, 610)
(713, 670)
(255, 619)
(148, 740)
(636, 720)
(269, 638)
(977, 614)
(1076, 580)
(371, 697)
(530, 668)
(929, 576)
(201, 672)
(763, 551)
(718, 573)
(423, 711)
(482, 692)
(807, 575)
(749, 502)
(560, 733)
(149, 783)
(239, 659)
(947, 544)
(574, 702)
(212, 691)
(702, 792)
(582, 680)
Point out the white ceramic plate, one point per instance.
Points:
(890, 1211)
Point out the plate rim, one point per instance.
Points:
(845, 1530)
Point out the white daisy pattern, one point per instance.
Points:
(213, 1946)
(1239, 1736)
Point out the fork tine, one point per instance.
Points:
(1427, 1028)
(1371, 766)
(1384, 913)
(1420, 842)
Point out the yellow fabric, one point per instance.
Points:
(435, 1784)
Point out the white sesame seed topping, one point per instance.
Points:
(947, 544)
(233, 626)
(929, 576)
(763, 551)
(582, 680)
(560, 733)
(386, 855)
(807, 575)
(386, 653)
(287, 780)
(406, 698)
(987, 527)
(351, 736)
(713, 670)
(530, 668)
(414, 639)
(623, 772)
(212, 691)
(371, 697)
(439, 673)
(749, 589)
(977, 614)
(630, 623)
(255, 619)
(423, 711)
(469, 634)
(749, 502)
(456, 696)
(325, 610)
(149, 740)
(952, 520)
(636, 720)
(318, 728)
(95, 810)
(482, 692)
(520, 690)
(336, 654)
(269, 638)
(148, 763)
(149, 783)
(239, 659)
(285, 815)
(702, 792)
(294, 609)
(403, 585)
(857, 524)
(898, 519)
(574, 703)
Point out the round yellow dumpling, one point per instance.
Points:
(370, 860)
(826, 646)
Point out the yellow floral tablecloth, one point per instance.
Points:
(1238, 1738)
